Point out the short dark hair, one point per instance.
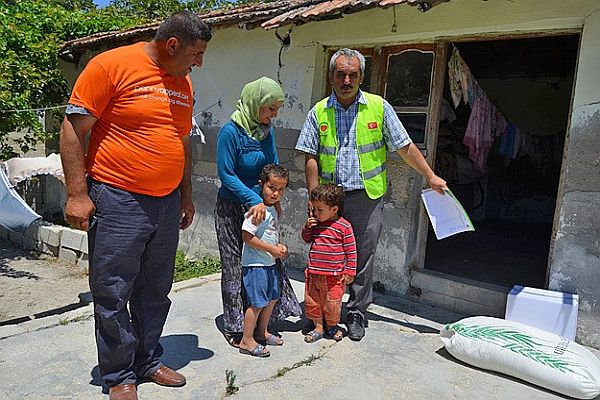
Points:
(329, 193)
(186, 26)
(273, 170)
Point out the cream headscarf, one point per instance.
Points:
(261, 92)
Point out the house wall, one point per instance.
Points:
(237, 56)
(575, 257)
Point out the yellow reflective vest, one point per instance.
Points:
(370, 144)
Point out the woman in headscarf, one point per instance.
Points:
(244, 145)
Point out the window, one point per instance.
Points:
(408, 80)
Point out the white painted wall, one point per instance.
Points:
(236, 56)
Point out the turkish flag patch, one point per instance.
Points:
(323, 127)
(372, 125)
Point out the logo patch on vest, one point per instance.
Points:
(323, 127)
(372, 125)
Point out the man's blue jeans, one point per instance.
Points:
(132, 245)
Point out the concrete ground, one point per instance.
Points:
(34, 284)
(401, 357)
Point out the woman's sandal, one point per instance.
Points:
(313, 336)
(233, 339)
(258, 351)
(336, 333)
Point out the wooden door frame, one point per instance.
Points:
(433, 121)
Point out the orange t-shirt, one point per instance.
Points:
(142, 114)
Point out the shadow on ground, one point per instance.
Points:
(10, 272)
(12, 251)
(397, 303)
(179, 351)
(442, 352)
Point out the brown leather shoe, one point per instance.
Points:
(167, 377)
(124, 391)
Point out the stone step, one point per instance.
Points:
(457, 294)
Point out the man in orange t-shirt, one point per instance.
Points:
(131, 190)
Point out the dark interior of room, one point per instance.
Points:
(512, 201)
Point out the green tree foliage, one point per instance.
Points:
(152, 10)
(31, 32)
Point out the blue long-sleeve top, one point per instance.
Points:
(239, 162)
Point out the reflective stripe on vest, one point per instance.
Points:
(370, 144)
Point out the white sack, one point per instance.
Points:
(533, 355)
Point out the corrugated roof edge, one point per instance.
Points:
(286, 12)
(256, 12)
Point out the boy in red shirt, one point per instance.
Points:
(331, 262)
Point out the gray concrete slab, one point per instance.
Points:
(33, 283)
(401, 357)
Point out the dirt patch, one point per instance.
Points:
(31, 282)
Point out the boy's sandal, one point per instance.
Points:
(258, 351)
(313, 336)
(336, 333)
(273, 340)
(309, 326)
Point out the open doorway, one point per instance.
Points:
(508, 187)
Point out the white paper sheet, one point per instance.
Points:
(447, 215)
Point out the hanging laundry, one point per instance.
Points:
(518, 141)
(475, 92)
(197, 132)
(499, 123)
(509, 142)
(466, 83)
(454, 77)
(462, 83)
(478, 136)
(447, 114)
(486, 122)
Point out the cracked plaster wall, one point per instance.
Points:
(575, 257)
(236, 56)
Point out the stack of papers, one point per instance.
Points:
(447, 215)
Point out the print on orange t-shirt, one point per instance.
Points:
(142, 115)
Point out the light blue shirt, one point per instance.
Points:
(267, 231)
(72, 109)
(347, 168)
